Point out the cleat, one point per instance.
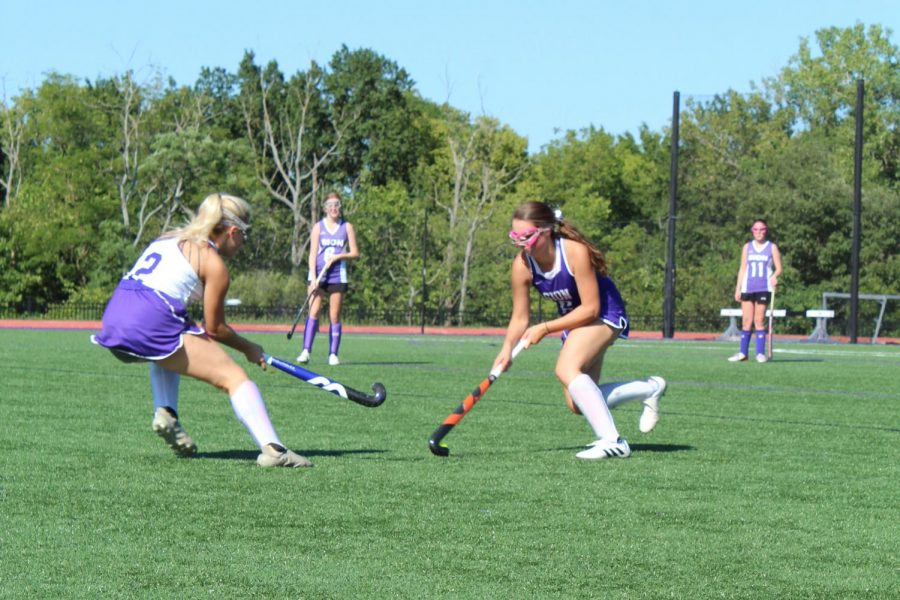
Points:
(605, 449)
(761, 358)
(650, 416)
(166, 426)
(273, 455)
(739, 357)
(333, 360)
(304, 356)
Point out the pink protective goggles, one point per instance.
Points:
(527, 238)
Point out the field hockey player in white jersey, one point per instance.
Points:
(146, 320)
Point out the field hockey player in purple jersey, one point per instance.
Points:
(558, 261)
(332, 243)
(756, 282)
(146, 320)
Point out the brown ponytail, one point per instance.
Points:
(543, 216)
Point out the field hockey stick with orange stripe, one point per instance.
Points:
(435, 442)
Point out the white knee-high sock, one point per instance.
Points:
(250, 409)
(590, 402)
(624, 391)
(164, 384)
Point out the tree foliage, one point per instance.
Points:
(92, 171)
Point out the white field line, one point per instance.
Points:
(860, 352)
(863, 351)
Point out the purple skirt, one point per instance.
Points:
(144, 323)
(612, 307)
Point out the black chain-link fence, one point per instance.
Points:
(793, 323)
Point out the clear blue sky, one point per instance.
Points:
(536, 66)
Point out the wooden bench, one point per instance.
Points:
(820, 333)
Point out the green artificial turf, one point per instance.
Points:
(761, 481)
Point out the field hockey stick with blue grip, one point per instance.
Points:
(330, 385)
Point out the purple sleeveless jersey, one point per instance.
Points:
(559, 285)
(759, 268)
(329, 243)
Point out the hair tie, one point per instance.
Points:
(558, 215)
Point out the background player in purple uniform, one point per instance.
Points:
(146, 320)
(567, 268)
(756, 281)
(332, 243)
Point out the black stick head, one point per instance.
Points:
(380, 392)
(438, 448)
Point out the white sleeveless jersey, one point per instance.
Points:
(164, 268)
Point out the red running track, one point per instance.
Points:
(62, 325)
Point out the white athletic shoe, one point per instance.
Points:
(279, 456)
(761, 358)
(650, 416)
(304, 356)
(333, 360)
(605, 449)
(168, 428)
(739, 357)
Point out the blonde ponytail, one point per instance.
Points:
(570, 232)
(216, 212)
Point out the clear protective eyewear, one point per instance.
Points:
(527, 238)
(245, 231)
(241, 226)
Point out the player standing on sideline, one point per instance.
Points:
(146, 320)
(568, 269)
(331, 244)
(756, 280)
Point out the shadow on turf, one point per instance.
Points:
(252, 454)
(645, 448)
(796, 360)
(661, 448)
(634, 448)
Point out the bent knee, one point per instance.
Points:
(566, 373)
(231, 379)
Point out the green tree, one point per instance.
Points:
(64, 192)
(12, 132)
(467, 181)
(387, 136)
(389, 229)
(294, 136)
